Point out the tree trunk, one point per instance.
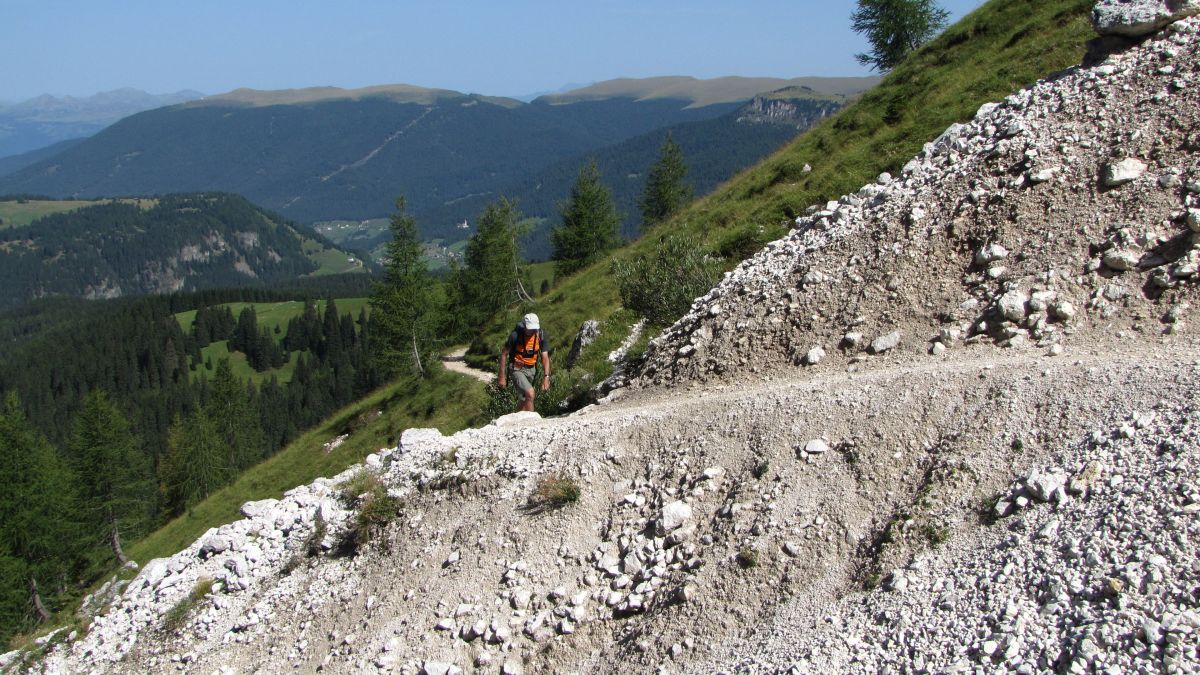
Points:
(417, 356)
(115, 540)
(42, 615)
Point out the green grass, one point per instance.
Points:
(270, 315)
(446, 401)
(21, 213)
(331, 260)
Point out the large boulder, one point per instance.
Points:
(1134, 18)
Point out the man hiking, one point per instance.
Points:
(524, 344)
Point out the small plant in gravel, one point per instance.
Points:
(376, 508)
(312, 544)
(936, 535)
(759, 470)
(747, 558)
(554, 491)
(177, 615)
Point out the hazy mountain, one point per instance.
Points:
(171, 243)
(46, 120)
(14, 163)
(326, 153)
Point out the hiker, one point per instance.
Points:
(524, 344)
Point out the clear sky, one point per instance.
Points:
(510, 48)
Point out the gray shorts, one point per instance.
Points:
(524, 377)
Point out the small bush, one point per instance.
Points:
(177, 615)
(312, 545)
(554, 491)
(747, 558)
(376, 508)
(662, 285)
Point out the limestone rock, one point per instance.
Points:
(674, 515)
(1134, 18)
(885, 343)
(1122, 172)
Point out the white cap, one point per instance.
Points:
(531, 322)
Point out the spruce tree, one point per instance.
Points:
(894, 28)
(665, 191)
(236, 421)
(589, 223)
(38, 533)
(403, 303)
(195, 464)
(493, 275)
(115, 487)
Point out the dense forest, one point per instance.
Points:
(159, 245)
(123, 393)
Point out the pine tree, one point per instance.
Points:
(236, 422)
(404, 303)
(665, 191)
(894, 28)
(38, 534)
(589, 223)
(115, 488)
(494, 275)
(195, 463)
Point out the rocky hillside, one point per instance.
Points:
(948, 423)
(153, 246)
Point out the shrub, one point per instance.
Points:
(177, 615)
(376, 508)
(662, 285)
(554, 491)
(747, 558)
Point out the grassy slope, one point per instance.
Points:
(447, 401)
(998, 49)
(270, 315)
(19, 214)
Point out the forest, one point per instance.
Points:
(153, 245)
(114, 420)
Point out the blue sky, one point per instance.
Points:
(72, 47)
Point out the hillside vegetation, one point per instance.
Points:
(990, 53)
(116, 248)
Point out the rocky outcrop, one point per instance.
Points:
(1135, 18)
(1053, 216)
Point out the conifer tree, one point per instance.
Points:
(493, 276)
(403, 304)
(894, 28)
(115, 487)
(236, 422)
(195, 464)
(665, 191)
(37, 532)
(589, 223)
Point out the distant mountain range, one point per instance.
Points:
(46, 120)
(327, 153)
